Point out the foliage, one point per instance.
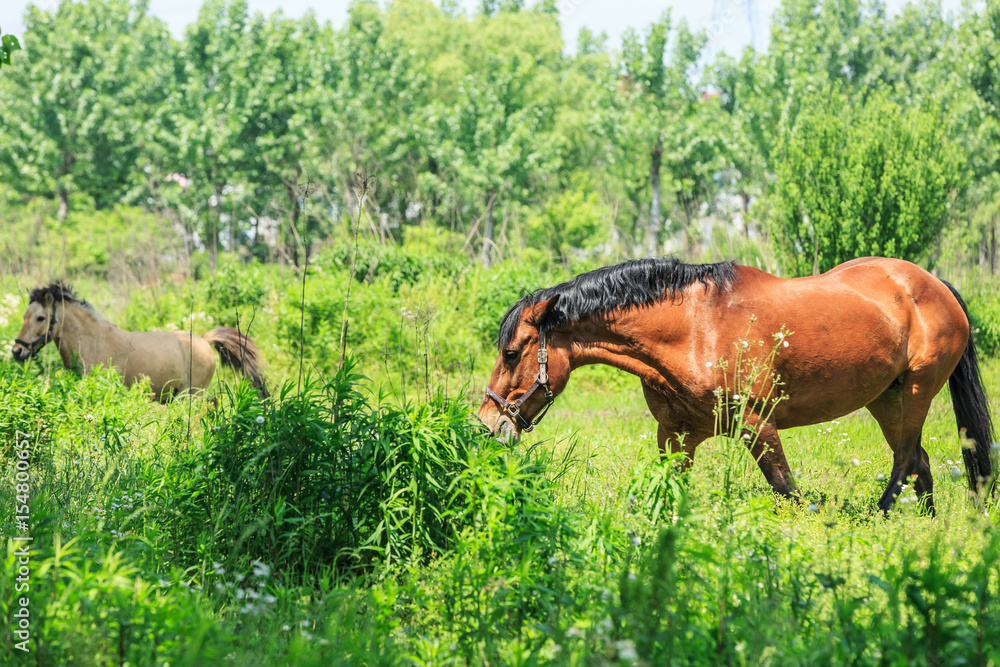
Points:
(326, 478)
(399, 267)
(854, 182)
(86, 129)
(337, 521)
(576, 219)
(8, 44)
(99, 608)
(475, 124)
(984, 311)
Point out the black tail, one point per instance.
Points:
(972, 411)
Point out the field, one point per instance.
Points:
(368, 520)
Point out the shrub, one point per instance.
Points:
(857, 179)
(391, 263)
(328, 477)
(984, 311)
(234, 288)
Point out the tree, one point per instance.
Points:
(486, 126)
(660, 102)
(239, 141)
(863, 179)
(78, 112)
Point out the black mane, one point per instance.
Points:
(632, 284)
(60, 292)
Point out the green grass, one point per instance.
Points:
(355, 527)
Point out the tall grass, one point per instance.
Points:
(342, 524)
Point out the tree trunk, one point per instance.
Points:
(488, 233)
(653, 239)
(215, 224)
(63, 205)
(745, 204)
(993, 250)
(691, 235)
(67, 168)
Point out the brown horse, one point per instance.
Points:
(875, 333)
(174, 361)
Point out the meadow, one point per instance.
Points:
(362, 516)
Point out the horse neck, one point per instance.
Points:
(85, 339)
(626, 341)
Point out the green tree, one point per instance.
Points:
(234, 130)
(660, 101)
(79, 111)
(488, 123)
(857, 180)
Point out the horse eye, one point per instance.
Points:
(511, 355)
(40, 318)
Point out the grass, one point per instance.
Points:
(352, 526)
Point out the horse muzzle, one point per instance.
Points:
(23, 351)
(500, 425)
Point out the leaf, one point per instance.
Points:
(881, 583)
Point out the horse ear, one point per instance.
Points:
(541, 312)
(49, 299)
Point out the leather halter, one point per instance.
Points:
(513, 410)
(39, 343)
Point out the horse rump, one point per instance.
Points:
(237, 351)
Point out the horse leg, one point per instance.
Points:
(666, 432)
(900, 412)
(761, 438)
(679, 442)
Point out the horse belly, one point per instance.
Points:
(838, 375)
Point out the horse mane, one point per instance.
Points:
(632, 284)
(61, 293)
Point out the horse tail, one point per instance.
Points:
(972, 411)
(239, 352)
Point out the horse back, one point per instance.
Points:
(852, 331)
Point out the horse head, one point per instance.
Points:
(39, 326)
(531, 370)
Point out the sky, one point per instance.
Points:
(728, 22)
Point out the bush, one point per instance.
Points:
(984, 311)
(392, 263)
(234, 292)
(327, 477)
(123, 240)
(856, 179)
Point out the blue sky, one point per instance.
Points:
(727, 21)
